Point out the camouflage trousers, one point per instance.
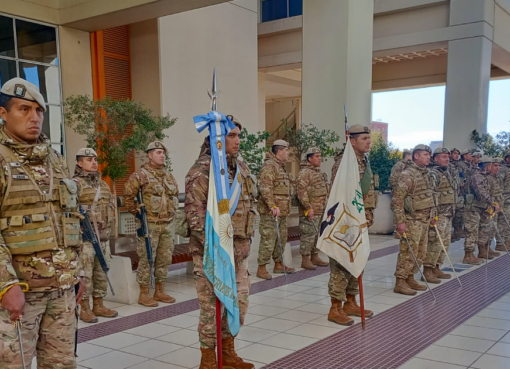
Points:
(309, 234)
(341, 282)
(503, 227)
(93, 276)
(486, 230)
(417, 231)
(48, 329)
(458, 220)
(269, 239)
(207, 299)
(471, 226)
(435, 253)
(162, 250)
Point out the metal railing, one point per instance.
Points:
(289, 123)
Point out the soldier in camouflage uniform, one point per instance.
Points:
(414, 209)
(159, 192)
(399, 167)
(457, 168)
(342, 286)
(446, 188)
(97, 200)
(39, 240)
(274, 203)
(312, 192)
(197, 190)
(504, 216)
(488, 221)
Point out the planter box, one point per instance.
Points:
(383, 216)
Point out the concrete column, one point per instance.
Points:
(337, 62)
(467, 90)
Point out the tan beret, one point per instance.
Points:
(465, 152)
(358, 129)
(156, 145)
(281, 143)
(406, 151)
(234, 120)
(87, 152)
(455, 149)
(486, 159)
(476, 153)
(22, 89)
(312, 150)
(441, 150)
(422, 147)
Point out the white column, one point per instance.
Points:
(467, 90)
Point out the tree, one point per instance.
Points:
(115, 129)
(383, 157)
(308, 136)
(252, 149)
(492, 146)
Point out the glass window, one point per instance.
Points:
(36, 42)
(45, 77)
(278, 9)
(6, 37)
(7, 70)
(52, 126)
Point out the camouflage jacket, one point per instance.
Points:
(414, 195)
(45, 270)
(479, 187)
(312, 189)
(504, 173)
(195, 205)
(159, 191)
(274, 185)
(457, 173)
(445, 187)
(395, 172)
(496, 187)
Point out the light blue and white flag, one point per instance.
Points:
(219, 265)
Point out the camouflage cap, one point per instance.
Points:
(441, 150)
(281, 143)
(156, 145)
(486, 159)
(22, 89)
(87, 152)
(312, 150)
(422, 147)
(358, 129)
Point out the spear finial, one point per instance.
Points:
(214, 93)
(346, 124)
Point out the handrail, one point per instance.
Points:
(281, 132)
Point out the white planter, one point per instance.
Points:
(383, 216)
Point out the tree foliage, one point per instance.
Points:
(383, 157)
(307, 136)
(252, 149)
(492, 146)
(104, 124)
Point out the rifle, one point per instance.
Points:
(143, 231)
(90, 236)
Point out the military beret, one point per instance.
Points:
(86, 151)
(155, 145)
(441, 150)
(455, 149)
(476, 153)
(22, 89)
(281, 143)
(486, 159)
(234, 120)
(422, 147)
(312, 150)
(465, 152)
(406, 151)
(358, 129)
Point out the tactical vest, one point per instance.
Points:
(33, 220)
(477, 203)
(496, 189)
(445, 190)
(281, 190)
(101, 213)
(506, 179)
(422, 196)
(243, 218)
(158, 197)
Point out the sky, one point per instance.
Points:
(416, 116)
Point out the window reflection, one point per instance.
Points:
(7, 70)
(36, 42)
(6, 37)
(44, 77)
(52, 126)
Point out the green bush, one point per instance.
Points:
(491, 146)
(383, 157)
(252, 149)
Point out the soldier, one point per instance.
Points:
(445, 187)
(399, 167)
(457, 167)
(476, 155)
(96, 198)
(478, 201)
(504, 216)
(414, 208)
(342, 286)
(197, 190)
(40, 237)
(274, 203)
(159, 192)
(488, 220)
(312, 192)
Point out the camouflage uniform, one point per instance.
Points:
(503, 227)
(488, 229)
(312, 191)
(457, 169)
(197, 190)
(159, 191)
(413, 204)
(396, 171)
(274, 189)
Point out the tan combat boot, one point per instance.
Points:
(412, 284)
(316, 260)
(160, 295)
(482, 253)
(230, 360)
(278, 269)
(500, 247)
(352, 308)
(208, 360)
(470, 258)
(145, 299)
(492, 252)
(100, 310)
(86, 314)
(428, 273)
(306, 263)
(440, 274)
(402, 288)
(262, 273)
(337, 314)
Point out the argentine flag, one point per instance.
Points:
(219, 264)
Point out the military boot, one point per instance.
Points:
(500, 247)
(402, 287)
(145, 299)
(337, 314)
(86, 314)
(440, 274)
(470, 258)
(412, 284)
(278, 269)
(230, 360)
(262, 273)
(352, 308)
(316, 260)
(208, 360)
(100, 310)
(429, 275)
(482, 253)
(492, 252)
(306, 263)
(160, 295)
